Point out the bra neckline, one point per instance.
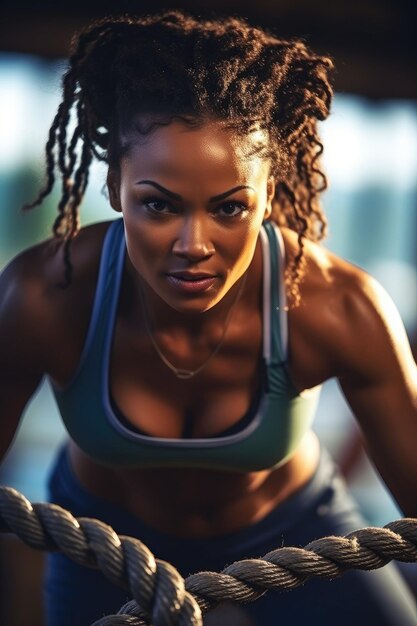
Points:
(242, 422)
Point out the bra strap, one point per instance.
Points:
(111, 264)
(277, 291)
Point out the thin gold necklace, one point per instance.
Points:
(179, 371)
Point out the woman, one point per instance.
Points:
(186, 341)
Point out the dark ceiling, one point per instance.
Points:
(373, 42)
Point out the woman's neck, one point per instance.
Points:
(141, 300)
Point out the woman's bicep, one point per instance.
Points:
(377, 358)
(379, 380)
(21, 363)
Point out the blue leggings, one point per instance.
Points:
(77, 596)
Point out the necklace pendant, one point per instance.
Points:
(183, 374)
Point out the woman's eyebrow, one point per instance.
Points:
(176, 196)
(223, 195)
(167, 192)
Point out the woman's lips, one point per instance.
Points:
(189, 284)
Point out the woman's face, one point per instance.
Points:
(193, 201)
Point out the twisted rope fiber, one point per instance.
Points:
(161, 596)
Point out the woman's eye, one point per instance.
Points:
(231, 209)
(156, 205)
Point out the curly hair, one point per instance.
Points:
(172, 65)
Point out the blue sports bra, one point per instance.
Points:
(267, 435)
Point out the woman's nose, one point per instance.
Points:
(193, 240)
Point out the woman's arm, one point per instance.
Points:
(379, 379)
(42, 326)
(21, 352)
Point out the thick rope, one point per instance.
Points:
(161, 596)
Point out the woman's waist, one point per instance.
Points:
(196, 502)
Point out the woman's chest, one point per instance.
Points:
(151, 398)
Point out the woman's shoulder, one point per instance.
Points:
(39, 270)
(323, 271)
(35, 306)
(341, 307)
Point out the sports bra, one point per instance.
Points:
(278, 418)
